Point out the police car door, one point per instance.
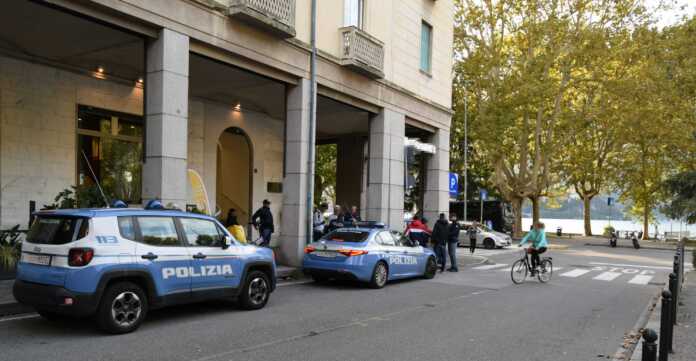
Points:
(161, 251)
(214, 268)
(393, 254)
(414, 257)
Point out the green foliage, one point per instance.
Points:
(608, 230)
(77, 197)
(681, 189)
(325, 174)
(10, 248)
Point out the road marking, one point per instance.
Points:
(575, 273)
(555, 269)
(18, 318)
(631, 265)
(490, 266)
(640, 280)
(607, 276)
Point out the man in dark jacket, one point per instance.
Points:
(440, 236)
(453, 242)
(263, 220)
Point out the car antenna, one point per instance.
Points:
(106, 201)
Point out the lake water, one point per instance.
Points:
(576, 226)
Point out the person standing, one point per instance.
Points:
(418, 232)
(263, 221)
(318, 222)
(471, 232)
(440, 236)
(453, 242)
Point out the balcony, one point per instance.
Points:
(362, 52)
(274, 16)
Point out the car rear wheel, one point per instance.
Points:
(430, 268)
(379, 275)
(256, 291)
(488, 243)
(122, 309)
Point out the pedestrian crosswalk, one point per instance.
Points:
(606, 274)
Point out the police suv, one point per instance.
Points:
(117, 264)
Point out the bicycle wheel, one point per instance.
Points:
(545, 270)
(518, 272)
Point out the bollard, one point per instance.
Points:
(674, 290)
(665, 325)
(649, 346)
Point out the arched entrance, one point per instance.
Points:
(234, 186)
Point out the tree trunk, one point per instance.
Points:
(517, 210)
(535, 209)
(646, 222)
(586, 200)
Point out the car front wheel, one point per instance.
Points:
(488, 243)
(256, 291)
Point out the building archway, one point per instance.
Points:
(234, 185)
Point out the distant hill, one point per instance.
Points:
(572, 208)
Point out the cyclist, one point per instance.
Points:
(537, 237)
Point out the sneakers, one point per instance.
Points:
(452, 270)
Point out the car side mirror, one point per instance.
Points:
(226, 242)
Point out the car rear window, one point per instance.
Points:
(347, 236)
(57, 230)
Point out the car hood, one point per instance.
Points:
(498, 234)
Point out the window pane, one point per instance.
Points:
(200, 232)
(131, 127)
(94, 122)
(125, 226)
(352, 13)
(53, 230)
(385, 239)
(426, 37)
(158, 231)
(346, 236)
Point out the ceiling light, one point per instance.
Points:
(140, 80)
(100, 70)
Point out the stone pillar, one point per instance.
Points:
(385, 185)
(350, 157)
(166, 118)
(436, 197)
(293, 215)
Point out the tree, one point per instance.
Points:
(521, 60)
(681, 190)
(325, 174)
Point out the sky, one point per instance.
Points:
(678, 8)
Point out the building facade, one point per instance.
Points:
(155, 97)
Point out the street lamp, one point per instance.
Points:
(466, 151)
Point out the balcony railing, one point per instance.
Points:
(362, 52)
(276, 16)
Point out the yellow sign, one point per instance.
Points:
(199, 194)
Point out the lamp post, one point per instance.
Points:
(466, 152)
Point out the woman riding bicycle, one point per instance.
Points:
(537, 235)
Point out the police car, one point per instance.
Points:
(368, 253)
(117, 264)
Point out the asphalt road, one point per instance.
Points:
(476, 314)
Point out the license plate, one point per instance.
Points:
(41, 259)
(325, 254)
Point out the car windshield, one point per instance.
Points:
(485, 229)
(346, 236)
(57, 230)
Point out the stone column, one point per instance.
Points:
(385, 185)
(166, 118)
(436, 197)
(293, 215)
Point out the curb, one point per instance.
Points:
(632, 337)
(10, 309)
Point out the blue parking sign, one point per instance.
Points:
(453, 184)
(484, 194)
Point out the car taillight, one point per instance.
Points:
(351, 252)
(78, 257)
(309, 249)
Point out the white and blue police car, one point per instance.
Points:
(368, 253)
(118, 263)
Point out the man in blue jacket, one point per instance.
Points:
(539, 244)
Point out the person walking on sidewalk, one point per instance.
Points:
(263, 221)
(452, 242)
(471, 232)
(440, 236)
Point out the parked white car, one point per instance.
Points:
(485, 237)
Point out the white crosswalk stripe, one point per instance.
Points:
(607, 276)
(490, 266)
(640, 280)
(575, 273)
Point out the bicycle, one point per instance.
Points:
(522, 267)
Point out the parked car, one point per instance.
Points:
(368, 253)
(117, 264)
(485, 237)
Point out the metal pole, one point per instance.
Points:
(481, 220)
(665, 324)
(312, 124)
(649, 346)
(466, 153)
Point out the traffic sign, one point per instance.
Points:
(484, 194)
(453, 184)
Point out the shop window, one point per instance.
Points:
(111, 144)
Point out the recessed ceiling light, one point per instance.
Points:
(100, 70)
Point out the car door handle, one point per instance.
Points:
(150, 256)
(199, 256)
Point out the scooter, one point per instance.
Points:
(613, 239)
(634, 239)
